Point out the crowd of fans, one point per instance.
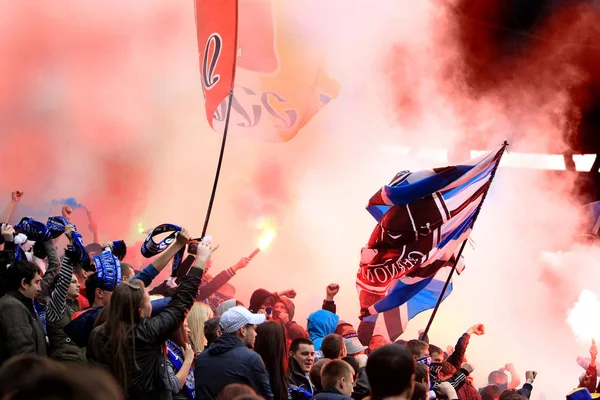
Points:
(75, 326)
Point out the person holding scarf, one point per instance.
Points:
(180, 360)
(131, 343)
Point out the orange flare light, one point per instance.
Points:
(266, 239)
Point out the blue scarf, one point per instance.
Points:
(176, 358)
(150, 248)
(34, 230)
(40, 311)
(57, 225)
(108, 268)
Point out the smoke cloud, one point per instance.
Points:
(103, 103)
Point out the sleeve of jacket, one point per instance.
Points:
(16, 333)
(259, 377)
(58, 298)
(52, 271)
(593, 373)
(361, 387)
(526, 390)
(216, 283)
(459, 351)
(158, 328)
(147, 275)
(457, 380)
(329, 306)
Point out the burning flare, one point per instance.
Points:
(140, 227)
(583, 316)
(265, 240)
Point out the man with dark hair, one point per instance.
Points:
(302, 358)
(333, 347)
(391, 372)
(21, 331)
(230, 359)
(337, 378)
(212, 331)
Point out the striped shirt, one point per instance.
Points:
(55, 308)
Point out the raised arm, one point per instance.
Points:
(166, 322)
(216, 283)
(458, 355)
(14, 199)
(58, 298)
(92, 226)
(53, 267)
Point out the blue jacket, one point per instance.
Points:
(228, 361)
(320, 324)
(331, 393)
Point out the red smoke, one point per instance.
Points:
(532, 56)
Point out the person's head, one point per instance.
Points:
(212, 331)
(436, 354)
(73, 288)
(333, 347)
(127, 272)
(303, 351)
(511, 395)
(338, 374)
(446, 371)
(19, 371)
(377, 341)
(95, 292)
(344, 328)
(80, 273)
(180, 336)
(226, 305)
(261, 299)
(129, 304)
(283, 305)
(271, 345)
(353, 363)
(242, 323)
(490, 392)
(422, 374)
(315, 373)
(93, 249)
(499, 379)
(23, 276)
(391, 372)
(196, 318)
(418, 349)
(31, 377)
(235, 390)
(420, 392)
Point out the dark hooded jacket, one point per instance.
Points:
(228, 361)
(258, 299)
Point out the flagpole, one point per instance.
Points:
(188, 260)
(219, 164)
(439, 301)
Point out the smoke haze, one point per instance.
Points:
(103, 102)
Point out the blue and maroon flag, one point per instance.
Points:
(422, 219)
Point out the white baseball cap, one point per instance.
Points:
(237, 317)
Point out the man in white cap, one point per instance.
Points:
(230, 359)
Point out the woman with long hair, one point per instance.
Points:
(180, 360)
(131, 343)
(198, 315)
(271, 345)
